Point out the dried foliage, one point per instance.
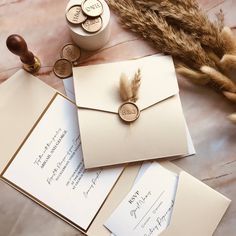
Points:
(192, 20)
(129, 89)
(204, 51)
(135, 84)
(125, 88)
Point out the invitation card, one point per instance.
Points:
(49, 167)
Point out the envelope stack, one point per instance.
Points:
(159, 132)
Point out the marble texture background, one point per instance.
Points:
(43, 25)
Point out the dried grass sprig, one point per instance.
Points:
(232, 118)
(220, 19)
(194, 76)
(135, 84)
(125, 89)
(230, 96)
(163, 36)
(223, 82)
(228, 62)
(229, 40)
(129, 89)
(187, 4)
(192, 20)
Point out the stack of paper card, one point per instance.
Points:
(46, 151)
(159, 132)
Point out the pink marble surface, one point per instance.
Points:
(43, 25)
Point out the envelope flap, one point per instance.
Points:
(97, 86)
(197, 210)
(23, 98)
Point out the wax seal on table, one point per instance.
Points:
(62, 68)
(17, 45)
(75, 15)
(129, 112)
(92, 8)
(70, 52)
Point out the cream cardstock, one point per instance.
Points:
(24, 99)
(158, 132)
(193, 202)
(146, 210)
(49, 166)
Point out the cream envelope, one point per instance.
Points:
(158, 132)
(197, 210)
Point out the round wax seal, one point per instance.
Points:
(70, 52)
(75, 15)
(129, 112)
(92, 25)
(92, 8)
(62, 68)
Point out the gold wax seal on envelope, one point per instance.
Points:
(129, 112)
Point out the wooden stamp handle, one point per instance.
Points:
(17, 45)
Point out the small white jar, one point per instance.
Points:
(91, 41)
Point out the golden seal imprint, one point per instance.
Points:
(70, 52)
(75, 15)
(92, 8)
(92, 25)
(62, 68)
(129, 112)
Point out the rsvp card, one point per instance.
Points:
(147, 209)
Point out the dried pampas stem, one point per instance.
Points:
(163, 36)
(228, 62)
(232, 118)
(135, 84)
(230, 96)
(195, 76)
(223, 82)
(129, 89)
(192, 20)
(125, 89)
(229, 40)
(221, 19)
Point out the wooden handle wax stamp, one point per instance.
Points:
(17, 45)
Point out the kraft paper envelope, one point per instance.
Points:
(158, 132)
(23, 101)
